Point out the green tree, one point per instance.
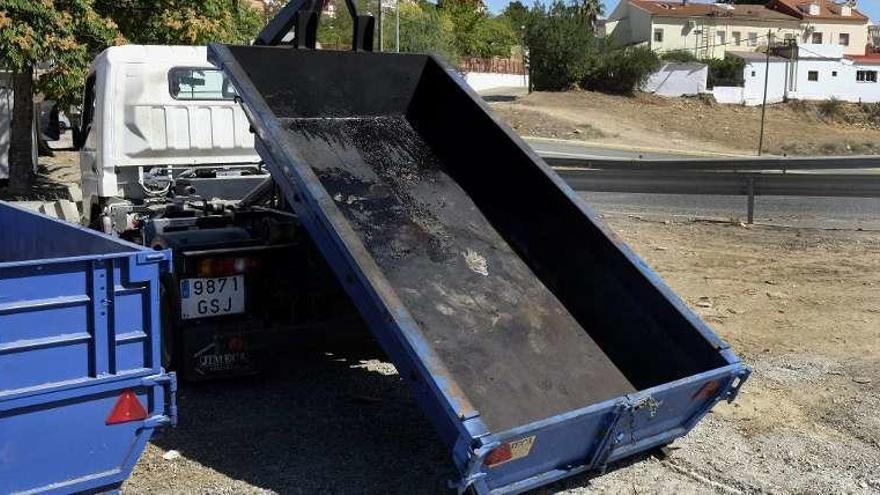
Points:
(591, 10)
(59, 36)
(516, 14)
(424, 28)
(560, 42)
(183, 22)
(564, 53)
(476, 33)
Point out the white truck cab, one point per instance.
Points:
(151, 115)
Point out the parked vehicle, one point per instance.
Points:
(166, 156)
(82, 388)
(537, 344)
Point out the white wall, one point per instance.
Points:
(732, 95)
(481, 81)
(753, 89)
(678, 80)
(812, 50)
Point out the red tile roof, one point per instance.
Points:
(673, 8)
(828, 10)
(870, 59)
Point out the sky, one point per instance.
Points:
(869, 7)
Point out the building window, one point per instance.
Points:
(720, 37)
(753, 39)
(866, 76)
(737, 38)
(844, 39)
(754, 74)
(834, 73)
(816, 39)
(658, 36)
(813, 75)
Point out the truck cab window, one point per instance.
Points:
(88, 113)
(199, 84)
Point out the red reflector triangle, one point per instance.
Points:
(127, 408)
(500, 455)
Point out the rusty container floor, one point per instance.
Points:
(510, 344)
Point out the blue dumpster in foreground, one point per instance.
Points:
(81, 386)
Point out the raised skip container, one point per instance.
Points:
(537, 343)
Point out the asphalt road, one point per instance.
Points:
(801, 212)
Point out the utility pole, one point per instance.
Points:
(397, 25)
(381, 37)
(764, 105)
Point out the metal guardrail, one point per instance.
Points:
(716, 164)
(731, 177)
(720, 183)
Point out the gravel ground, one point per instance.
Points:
(801, 306)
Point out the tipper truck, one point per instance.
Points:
(167, 161)
(537, 343)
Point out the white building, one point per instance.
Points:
(706, 30)
(752, 91)
(823, 73)
(814, 72)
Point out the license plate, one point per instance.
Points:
(206, 297)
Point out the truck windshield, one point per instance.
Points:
(188, 83)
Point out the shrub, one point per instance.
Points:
(620, 71)
(831, 109)
(684, 56)
(872, 112)
(800, 106)
(726, 72)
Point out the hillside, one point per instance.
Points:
(643, 120)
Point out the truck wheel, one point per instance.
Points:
(167, 318)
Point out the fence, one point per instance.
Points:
(750, 177)
(492, 65)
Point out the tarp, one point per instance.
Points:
(678, 79)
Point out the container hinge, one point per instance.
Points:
(472, 472)
(611, 436)
(737, 383)
(168, 382)
(150, 257)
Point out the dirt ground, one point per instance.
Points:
(646, 120)
(802, 307)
